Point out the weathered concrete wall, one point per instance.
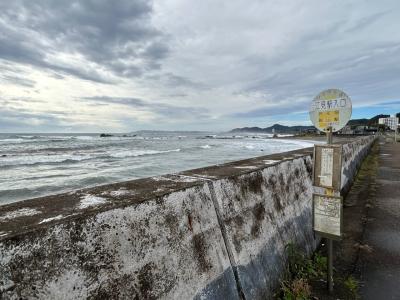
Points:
(353, 155)
(262, 211)
(169, 246)
(211, 233)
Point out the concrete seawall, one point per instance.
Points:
(212, 233)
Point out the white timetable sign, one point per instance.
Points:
(326, 177)
(328, 211)
(327, 166)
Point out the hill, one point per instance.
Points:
(278, 129)
(367, 122)
(296, 129)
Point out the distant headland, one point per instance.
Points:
(278, 128)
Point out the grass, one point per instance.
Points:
(302, 270)
(299, 271)
(352, 286)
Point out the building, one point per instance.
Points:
(346, 130)
(392, 122)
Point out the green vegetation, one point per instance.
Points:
(302, 272)
(352, 285)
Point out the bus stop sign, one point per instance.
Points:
(330, 108)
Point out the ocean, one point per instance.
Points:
(33, 165)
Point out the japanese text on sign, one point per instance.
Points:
(327, 215)
(330, 110)
(326, 177)
(328, 118)
(323, 105)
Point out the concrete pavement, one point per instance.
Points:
(380, 267)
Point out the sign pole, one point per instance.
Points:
(330, 265)
(329, 241)
(329, 136)
(329, 112)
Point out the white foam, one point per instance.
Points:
(90, 200)
(34, 159)
(133, 153)
(205, 147)
(300, 143)
(84, 137)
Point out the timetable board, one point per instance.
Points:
(328, 215)
(327, 166)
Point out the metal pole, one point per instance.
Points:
(330, 266)
(329, 136)
(329, 141)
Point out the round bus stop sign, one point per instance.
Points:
(330, 108)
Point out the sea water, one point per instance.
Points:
(33, 165)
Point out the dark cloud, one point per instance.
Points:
(239, 62)
(114, 36)
(171, 80)
(177, 95)
(162, 109)
(368, 74)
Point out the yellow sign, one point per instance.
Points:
(328, 118)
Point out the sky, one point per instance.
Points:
(121, 66)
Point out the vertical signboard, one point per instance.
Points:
(326, 177)
(328, 216)
(328, 166)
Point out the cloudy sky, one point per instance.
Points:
(120, 66)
